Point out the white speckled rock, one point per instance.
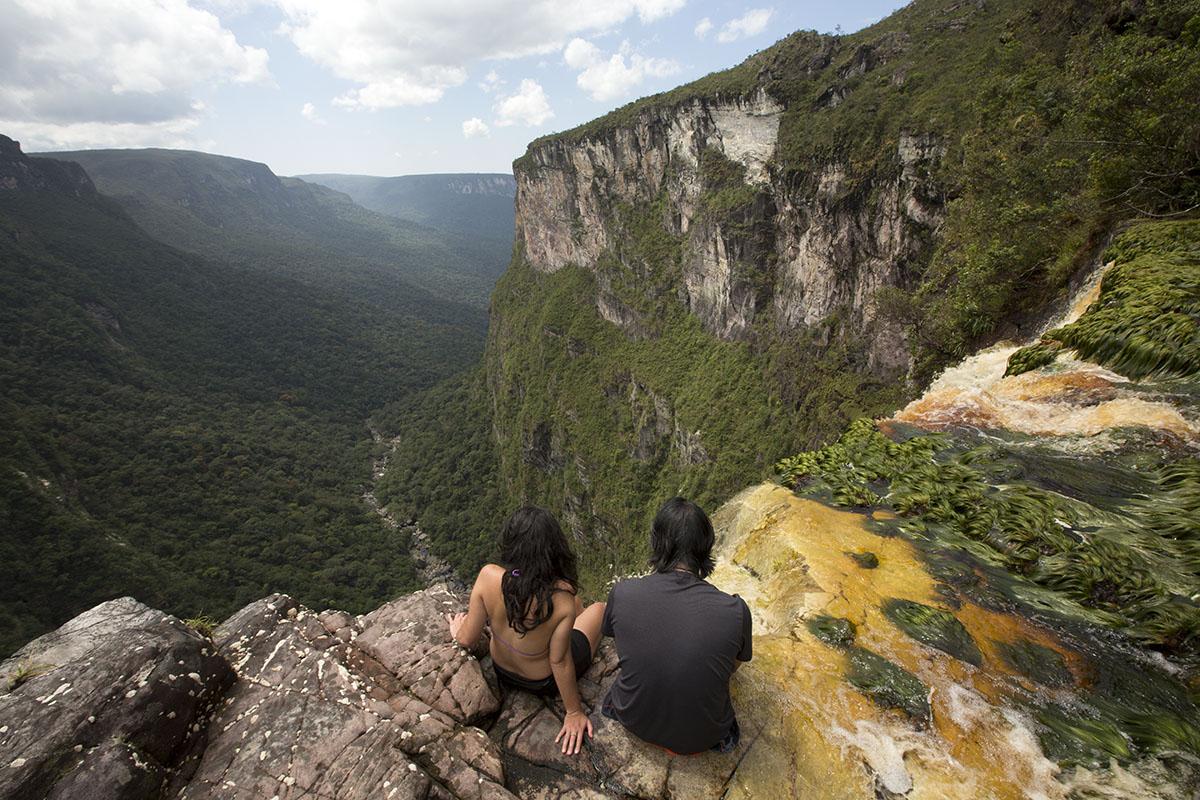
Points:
(118, 701)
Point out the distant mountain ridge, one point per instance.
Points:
(480, 203)
(241, 212)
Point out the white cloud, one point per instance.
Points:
(609, 78)
(231, 8)
(35, 136)
(310, 113)
(408, 52)
(580, 53)
(424, 86)
(651, 10)
(491, 82)
(702, 28)
(474, 127)
(102, 69)
(529, 106)
(752, 23)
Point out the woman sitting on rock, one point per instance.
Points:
(542, 637)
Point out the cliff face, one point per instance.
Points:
(755, 245)
(19, 172)
(674, 271)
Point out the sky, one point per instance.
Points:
(375, 87)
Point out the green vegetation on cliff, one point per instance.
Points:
(1026, 132)
(1053, 120)
(603, 426)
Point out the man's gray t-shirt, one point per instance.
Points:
(678, 641)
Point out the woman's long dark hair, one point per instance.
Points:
(535, 555)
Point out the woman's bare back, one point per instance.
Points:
(527, 654)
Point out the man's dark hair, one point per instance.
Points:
(682, 536)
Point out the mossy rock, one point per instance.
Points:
(1069, 738)
(865, 559)
(1036, 662)
(1032, 356)
(935, 628)
(833, 631)
(889, 685)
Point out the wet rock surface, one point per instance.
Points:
(282, 703)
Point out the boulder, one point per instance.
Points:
(314, 716)
(116, 700)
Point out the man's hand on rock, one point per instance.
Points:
(572, 733)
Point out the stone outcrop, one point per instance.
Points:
(113, 704)
(284, 703)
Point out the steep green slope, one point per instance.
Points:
(1020, 133)
(242, 213)
(1057, 120)
(182, 430)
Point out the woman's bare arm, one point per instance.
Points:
(563, 667)
(467, 628)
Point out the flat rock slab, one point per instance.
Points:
(319, 716)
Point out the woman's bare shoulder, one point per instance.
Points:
(489, 576)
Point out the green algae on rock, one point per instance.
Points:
(1036, 662)
(1033, 356)
(833, 631)
(1133, 561)
(865, 559)
(935, 628)
(887, 684)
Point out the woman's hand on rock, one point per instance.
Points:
(456, 622)
(574, 727)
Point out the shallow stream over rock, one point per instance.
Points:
(884, 713)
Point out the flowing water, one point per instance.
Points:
(1067, 400)
(999, 690)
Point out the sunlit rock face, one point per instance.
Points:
(793, 253)
(873, 679)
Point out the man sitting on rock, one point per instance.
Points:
(679, 640)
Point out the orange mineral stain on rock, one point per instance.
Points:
(790, 559)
